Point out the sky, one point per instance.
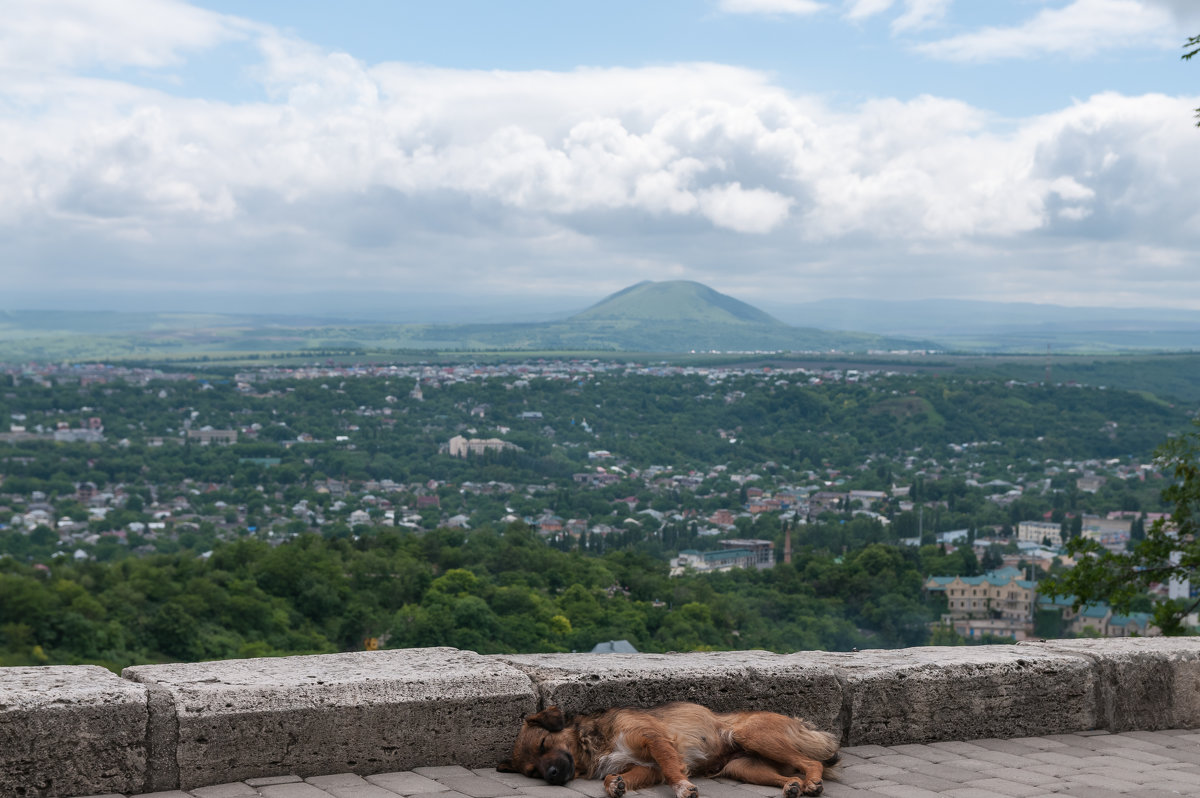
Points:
(307, 156)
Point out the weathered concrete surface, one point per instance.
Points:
(70, 730)
(726, 680)
(362, 712)
(1145, 683)
(917, 695)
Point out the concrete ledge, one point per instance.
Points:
(363, 712)
(70, 730)
(920, 695)
(1145, 683)
(798, 684)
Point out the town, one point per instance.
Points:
(704, 469)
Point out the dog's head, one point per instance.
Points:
(543, 748)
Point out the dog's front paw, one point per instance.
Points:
(685, 789)
(614, 785)
(814, 787)
(792, 789)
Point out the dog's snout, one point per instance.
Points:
(560, 768)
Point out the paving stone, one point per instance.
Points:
(948, 771)
(296, 789)
(550, 791)
(905, 791)
(898, 760)
(442, 771)
(1003, 759)
(867, 751)
(926, 752)
(1090, 792)
(235, 789)
(166, 794)
(957, 747)
(444, 794)
(970, 792)
(711, 788)
(1104, 782)
(406, 782)
(872, 770)
(594, 788)
(1005, 787)
(336, 780)
(926, 782)
(364, 790)
(477, 786)
(267, 781)
(105, 795)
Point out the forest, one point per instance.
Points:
(260, 558)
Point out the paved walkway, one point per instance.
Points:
(1086, 765)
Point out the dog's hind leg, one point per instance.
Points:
(753, 770)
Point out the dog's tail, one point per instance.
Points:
(816, 744)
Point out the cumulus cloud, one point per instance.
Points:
(1080, 29)
(52, 34)
(793, 7)
(395, 170)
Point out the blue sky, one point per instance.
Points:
(315, 156)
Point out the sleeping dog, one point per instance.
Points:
(635, 748)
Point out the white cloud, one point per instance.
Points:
(920, 14)
(405, 173)
(745, 211)
(50, 34)
(1080, 29)
(862, 9)
(793, 7)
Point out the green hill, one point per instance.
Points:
(675, 300)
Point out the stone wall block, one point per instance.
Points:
(1145, 683)
(723, 681)
(363, 712)
(70, 730)
(919, 695)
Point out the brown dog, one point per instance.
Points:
(635, 748)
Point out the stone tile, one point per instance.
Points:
(926, 782)
(1003, 759)
(725, 788)
(550, 791)
(445, 794)
(1104, 782)
(1090, 792)
(593, 788)
(165, 794)
(926, 752)
(335, 780)
(958, 748)
(267, 781)
(898, 761)
(905, 791)
(970, 792)
(515, 779)
(442, 771)
(867, 751)
(236, 789)
(477, 786)
(1005, 787)
(1052, 758)
(105, 795)
(873, 771)
(406, 782)
(364, 790)
(947, 771)
(294, 789)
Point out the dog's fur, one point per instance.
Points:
(635, 748)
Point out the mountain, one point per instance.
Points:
(667, 317)
(681, 301)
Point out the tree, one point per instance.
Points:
(1170, 550)
(1192, 47)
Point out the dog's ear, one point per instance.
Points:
(506, 767)
(551, 719)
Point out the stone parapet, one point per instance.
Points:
(362, 712)
(69, 731)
